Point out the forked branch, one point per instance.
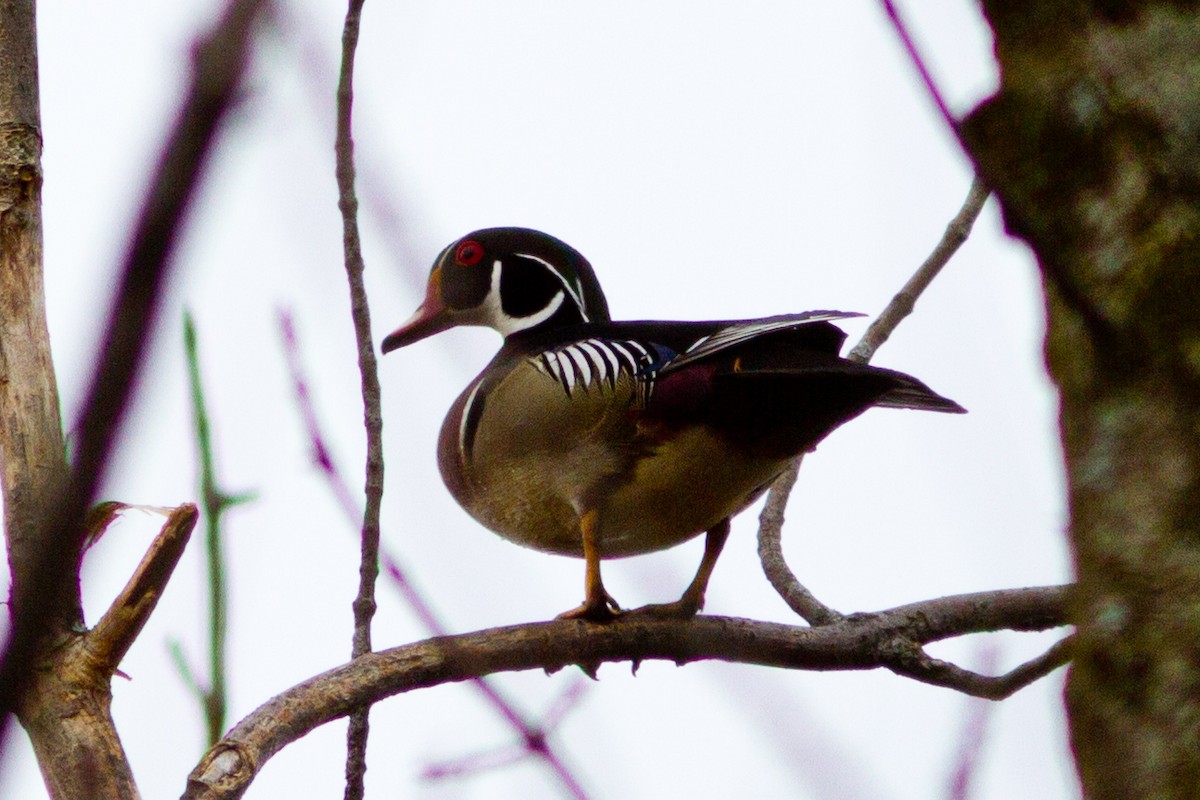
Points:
(907, 658)
(867, 641)
(770, 528)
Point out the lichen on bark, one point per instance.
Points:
(1093, 145)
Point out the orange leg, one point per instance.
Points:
(598, 605)
(693, 597)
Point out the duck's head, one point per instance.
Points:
(509, 279)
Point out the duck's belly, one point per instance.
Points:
(673, 492)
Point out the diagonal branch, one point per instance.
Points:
(109, 641)
(905, 300)
(770, 530)
(914, 55)
(864, 641)
(48, 595)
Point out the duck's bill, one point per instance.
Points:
(431, 317)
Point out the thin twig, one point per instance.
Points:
(921, 667)
(770, 553)
(219, 64)
(970, 748)
(364, 602)
(565, 703)
(216, 503)
(323, 459)
(476, 763)
(535, 744)
(770, 526)
(906, 299)
(186, 673)
(914, 55)
(860, 642)
(1059, 655)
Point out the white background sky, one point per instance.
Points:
(712, 160)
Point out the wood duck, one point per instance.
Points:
(601, 439)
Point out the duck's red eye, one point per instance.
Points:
(469, 254)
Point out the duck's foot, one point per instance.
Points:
(692, 601)
(685, 607)
(601, 608)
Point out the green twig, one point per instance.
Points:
(185, 670)
(215, 503)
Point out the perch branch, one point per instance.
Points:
(865, 641)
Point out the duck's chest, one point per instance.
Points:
(526, 455)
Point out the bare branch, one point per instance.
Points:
(914, 55)
(906, 299)
(864, 641)
(45, 591)
(364, 603)
(934, 671)
(770, 553)
(974, 733)
(30, 425)
(770, 523)
(110, 639)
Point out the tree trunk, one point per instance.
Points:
(64, 700)
(1093, 145)
(34, 461)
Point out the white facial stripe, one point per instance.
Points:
(491, 311)
(576, 291)
(506, 324)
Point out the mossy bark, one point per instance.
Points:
(1093, 145)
